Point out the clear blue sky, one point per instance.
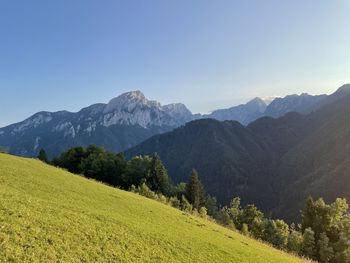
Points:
(68, 54)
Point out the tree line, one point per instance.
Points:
(322, 235)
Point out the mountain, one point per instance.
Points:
(270, 106)
(293, 103)
(131, 118)
(244, 113)
(320, 161)
(274, 163)
(343, 91)
(50, 215)
(231, 159)
(122, 123)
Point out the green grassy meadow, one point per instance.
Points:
(49, 215)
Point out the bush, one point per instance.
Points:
(161, 198)
(133, 189)
(245, 230)
(203, 212)
(224, 218)
(146, 192)
(175, 202)
(185, 205)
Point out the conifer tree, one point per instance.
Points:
(195, 191)
(159, 180)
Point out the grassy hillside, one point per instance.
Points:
(47, 215)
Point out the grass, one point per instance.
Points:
(49, 215)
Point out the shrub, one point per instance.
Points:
(161, 198)
(175, 202)
(146, 192)
(203, 212)
(245, 230)
(185, 205)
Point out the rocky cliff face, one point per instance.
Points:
(125, 121)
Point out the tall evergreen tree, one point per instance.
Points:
(195, 191)
(159, 180)
(43, 156)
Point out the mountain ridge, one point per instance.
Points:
(131, 118)
(122, 123)
(270, 154)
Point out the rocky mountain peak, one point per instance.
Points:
(344, 89)
(176, 108)
(257, 102)
(129, 101)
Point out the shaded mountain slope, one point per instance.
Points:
(319, 164)
(274, 163)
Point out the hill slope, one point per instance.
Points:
(232, 160)
(47, 214)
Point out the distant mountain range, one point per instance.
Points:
(122, 123)
(257, 108)
(274, 163)
(244, 113)
(128, 120)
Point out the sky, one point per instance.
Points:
(65, 55)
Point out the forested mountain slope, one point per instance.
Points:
(274, 163)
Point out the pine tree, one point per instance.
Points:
(195, 191)
(43, 156)
(159, 180)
